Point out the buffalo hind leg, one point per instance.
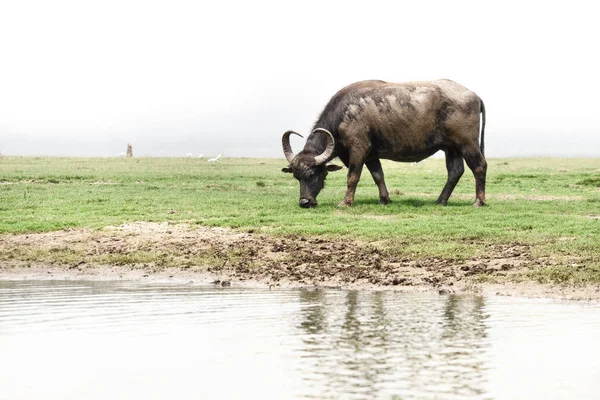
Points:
(376, 171)
(455, 167)
(476, 162)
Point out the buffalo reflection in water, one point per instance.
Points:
(379, 341)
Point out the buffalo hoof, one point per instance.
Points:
(441, 202)
(478, 203)
(384, 200)
(344, 204)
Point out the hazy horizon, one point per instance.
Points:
(180, 77)
(182, 147)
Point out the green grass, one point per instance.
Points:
(550, 204)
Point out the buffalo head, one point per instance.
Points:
(309, 166)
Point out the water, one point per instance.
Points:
(120, 340)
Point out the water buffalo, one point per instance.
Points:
(408, 122)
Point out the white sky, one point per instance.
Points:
(172, 77)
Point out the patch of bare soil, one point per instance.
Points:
(223, 256)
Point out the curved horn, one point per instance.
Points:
(287, 149)
(323, 157)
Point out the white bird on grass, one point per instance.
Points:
(216, 159)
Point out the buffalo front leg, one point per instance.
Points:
(354, 171)
(376, 171)
(476, 162)
(455, 167)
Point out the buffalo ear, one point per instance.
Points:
(286, 170)
(333, 167)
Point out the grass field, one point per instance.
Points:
(550, 205)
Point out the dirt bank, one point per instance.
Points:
(223, 256)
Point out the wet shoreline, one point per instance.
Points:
(224, 257)
(176, 276)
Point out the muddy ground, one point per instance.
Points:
(162, 251)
